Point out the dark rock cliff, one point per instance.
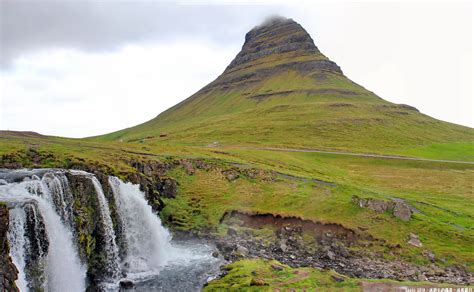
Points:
(275, 36)
(8, 271)
(277, 45)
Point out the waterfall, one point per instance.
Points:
(147, 241)
(17, 240)
(65, 272)
(109, 234)
(48, 233)
(37, 227)
(57, 192)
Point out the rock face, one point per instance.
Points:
(36, 251)
(168, 188)
(279, 39)
(275, 36)
(8, 271)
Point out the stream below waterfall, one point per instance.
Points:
(70, 232)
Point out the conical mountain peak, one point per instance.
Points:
(276, 35)
(280, 90)
(276, 46)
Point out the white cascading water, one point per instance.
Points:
(46, 206)
(17, 241)
(64, 271)
(57, 192)
(148, 243)
(109, 233)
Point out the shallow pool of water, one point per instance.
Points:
(187, 274)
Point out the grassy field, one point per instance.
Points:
(308, 185)
(443, 193)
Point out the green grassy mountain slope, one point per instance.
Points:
(281, 91)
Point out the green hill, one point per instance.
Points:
(281, 91)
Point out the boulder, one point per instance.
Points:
(337, 279)
(231, 231)
(202, 164)
(231, 174)
(330, 255)
(257, 282)
(188, 166)
(379, 206)
(399, 208)
(242, 251)
(126, 284)
(429, 255)
(414, 240)
(402, 211)
(277, 267)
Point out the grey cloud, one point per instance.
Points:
(101, 25)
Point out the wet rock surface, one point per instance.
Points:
(37, 246)
(8, 271)
(126, 284)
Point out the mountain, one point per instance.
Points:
(328, 221)
(280, 90)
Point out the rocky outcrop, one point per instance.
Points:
(399, 208)
(279, 39)
(151, 176)
(168, 187)
(231, 174)
(308, 91)
(37, 247)
(297, 246)
(8, 271)
(397, 108)
(88, 227)
(275, 36)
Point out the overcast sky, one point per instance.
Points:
(83, 68)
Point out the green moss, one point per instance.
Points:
(270, 275)
(263, 275)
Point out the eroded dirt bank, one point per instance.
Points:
(304, 243)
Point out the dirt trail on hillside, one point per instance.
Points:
(367, 155)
